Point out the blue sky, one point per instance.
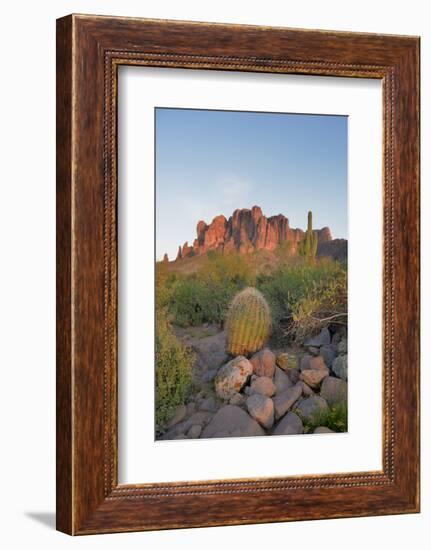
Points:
(212, 162)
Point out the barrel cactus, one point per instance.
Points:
(248, 322)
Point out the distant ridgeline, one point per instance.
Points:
(249, 230)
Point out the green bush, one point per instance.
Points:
(305, 297)
(204, 297)
(173, 370)
(335, 418)
(301, 294)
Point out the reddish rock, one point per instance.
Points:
(263, 363)
(245, 231)
(165, 258)
(186, 250)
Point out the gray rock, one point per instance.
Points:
(180, 436)
(306, 390)
(310, 408)
(194, 432)
(210, 350)
(312, 362)
(322, 430)
(263, 363)
(209, 375)
(191, 408)
(232, 421)
(285, 400)
(281, 380)
(339, 366)
(328, 354)
(313, 350)
(293, 375)
(336, 338)
(290, 424)
(263, 385)
(232, 377)
(305, 362)
(322, 339)
(342, 346)
(334, 390)
(197, 419)
(208, 404)
(179, 414)
(237, 399)
(313, 377)
(261, 408)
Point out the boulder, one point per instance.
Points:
(313, 377)
(312, 362)
(282, 360)
(305, 362)
(179, 414)
(328, 354)
(191, 408)
(209, 375)
(200, 418)
(322, 339)
(336, 338)
(285, 400)
(293, 375)
(261, 408)
(263, 385)
(290, 424)
(263, 363)
(334, 390)
(237, 399)
(306, 390)
(194, 432)
(313, 350)
(232, 421)
(339, 366)
(323, 430)
(310, 408)
(281, 380)
(342, 346)
(231, 377)
(317, 363)
(210, 351)
(208, 404)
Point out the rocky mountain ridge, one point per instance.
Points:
(248, 230)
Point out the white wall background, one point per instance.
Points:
(27, 280)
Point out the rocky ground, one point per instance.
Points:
(275, 392)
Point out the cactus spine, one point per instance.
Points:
(248, 322)
(308, 246)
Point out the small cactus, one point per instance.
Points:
(248, 322)
(308, 246)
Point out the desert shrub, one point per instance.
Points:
(248, 322)
(335, 418)
(299, 292)
(326, 303)
(204, 296)
(173, 370)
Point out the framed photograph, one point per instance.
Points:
(237, 274)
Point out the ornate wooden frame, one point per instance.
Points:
(89, 51)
